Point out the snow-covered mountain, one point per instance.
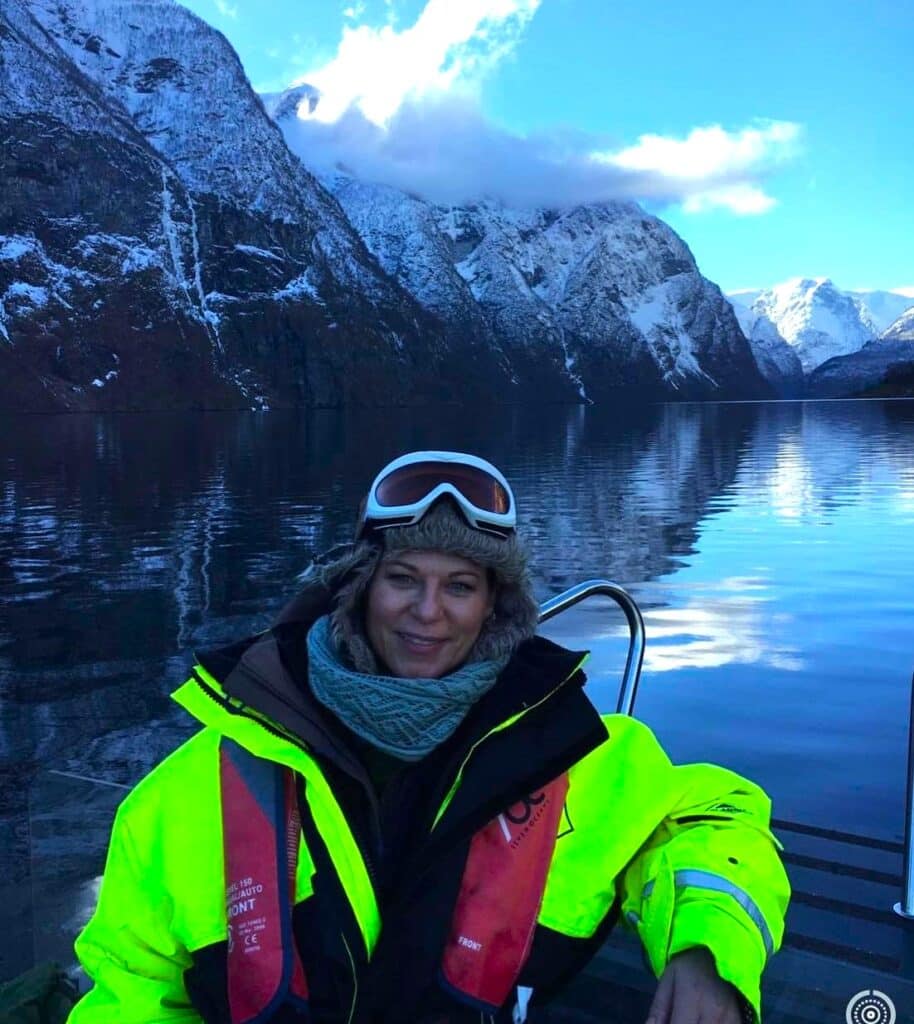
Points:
(778, 362)
(880, 307)
(162, 244)
(903, 328)
(75, 272)
(603, 296)
(884, 308)
(815, 321)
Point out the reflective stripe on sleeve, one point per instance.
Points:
(717, 883)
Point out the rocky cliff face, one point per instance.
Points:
(589, 302)
(161, 246)
(90, 287)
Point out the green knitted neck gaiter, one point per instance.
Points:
(406, 718)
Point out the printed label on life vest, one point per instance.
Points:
(261, 830)
(245, 920)
(519, 820)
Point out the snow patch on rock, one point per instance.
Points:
(301, 287)
(656, 316)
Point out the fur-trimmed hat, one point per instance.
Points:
(442, 528)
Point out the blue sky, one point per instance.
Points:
(777, 139)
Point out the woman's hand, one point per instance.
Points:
(690, 991)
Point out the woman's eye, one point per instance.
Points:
(400, 577)
(462, 588)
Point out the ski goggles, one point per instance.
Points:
(407, 488)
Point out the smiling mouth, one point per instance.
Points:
(420, 641)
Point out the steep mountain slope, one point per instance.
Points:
(181, 84)
(224, 273)
(600, 299)
(902, 329)
(90, 289)
(778, 362)
(160, 246)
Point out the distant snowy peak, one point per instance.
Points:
(883, 366)
(818, 320)
(806, 304)
(743, 299)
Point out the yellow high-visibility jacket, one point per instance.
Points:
(683, 855)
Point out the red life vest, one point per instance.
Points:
(492, 924)
(500, 897)
(260, 831)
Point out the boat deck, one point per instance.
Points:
(842, 937)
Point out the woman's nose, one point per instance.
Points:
(427, 606)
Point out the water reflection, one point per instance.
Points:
(724, 625)
(765, 542)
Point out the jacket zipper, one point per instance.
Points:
(355, 980)
(527, 708)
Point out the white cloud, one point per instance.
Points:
(401, 107)
(743, 199)
(710, 155)
(450, 45)
(709, 152)
(226, 9)
(442, 147)
(905, 289)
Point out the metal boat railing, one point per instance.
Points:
(905, 908)
(605, 588)
(632, 674)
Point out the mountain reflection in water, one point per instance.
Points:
(768, 544)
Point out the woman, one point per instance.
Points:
(404, 809)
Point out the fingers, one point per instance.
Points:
(662, 1003)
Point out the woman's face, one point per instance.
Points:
(425, 610)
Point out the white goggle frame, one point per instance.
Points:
(380, 517)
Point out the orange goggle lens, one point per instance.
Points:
(410, 484)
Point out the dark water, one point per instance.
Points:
(770, 546)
